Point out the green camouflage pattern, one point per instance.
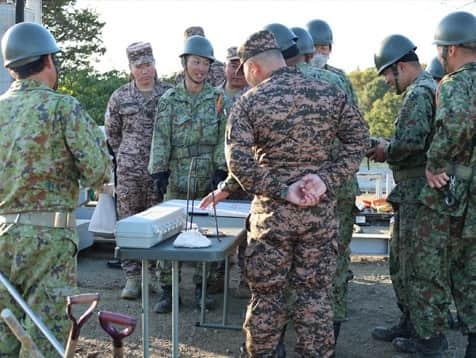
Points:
(446, 256)
(277, 132)
(41, 263)
(349, 89)
(187, 121)
(406, 150)
(47, 144)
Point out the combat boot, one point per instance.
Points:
(433, 347)
(210, 302)
(165, 301)
(471, 348)
(132, 289)
(404, 329)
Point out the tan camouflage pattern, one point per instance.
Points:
(257, 43)
(192, 31)
(48, 144)
(129, 123)
(139, 53)
(277, 132)
(232, 53)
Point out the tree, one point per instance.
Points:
(382, 116)
(77, 31)
(92, 89)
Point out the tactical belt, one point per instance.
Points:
(191, 151)
(48, 219)
(460, 171)
(402, 174)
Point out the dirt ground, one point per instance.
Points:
(371, 303)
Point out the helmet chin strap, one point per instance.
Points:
(395, 77)
(444, 57)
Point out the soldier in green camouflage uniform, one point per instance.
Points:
(190, 124)
(446, 223)
(129, 123)
(48, 144)
(397, 61)
(216, 73)
(278, 132)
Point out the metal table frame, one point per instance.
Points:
(219, 251)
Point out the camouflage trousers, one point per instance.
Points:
(444, 265)
(40, 262)
(291, 246)
(402, 248)
(134, 195)
(346, 219)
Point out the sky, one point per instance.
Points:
(358, 25)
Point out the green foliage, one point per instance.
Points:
(92, 89)
(77, 31)
(379, 104)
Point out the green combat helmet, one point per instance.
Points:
(199, 46)
(320, 31)
(456, 28)
(284, 36)
(392, 48)
(26, 42)
(435, 69)
(304, 41)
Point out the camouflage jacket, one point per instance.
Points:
(346, 81)
(413, 132)
(48, 143)
(284, 128)
(129, 123)
(185, 124)
(350, 188)
(453, 143)
(216, 74)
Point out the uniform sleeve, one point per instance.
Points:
(161, 139)
(240, 158)
(454, 129)
(86, 143)
(219, 153)
(113, 124)
(354, 141)
(413, 127)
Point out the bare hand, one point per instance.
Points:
(307, 192)
(436, 180)
(378, 153)
(219, 195)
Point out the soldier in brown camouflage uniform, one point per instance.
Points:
(216, 74)
(129, 124)
(279, 133)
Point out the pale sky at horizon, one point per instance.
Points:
(358, 25)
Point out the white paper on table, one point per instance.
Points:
(224, 209)
(192, 239)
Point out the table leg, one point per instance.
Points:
(175, 308)
(225, 293)
(204, 293)
(145, 307)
